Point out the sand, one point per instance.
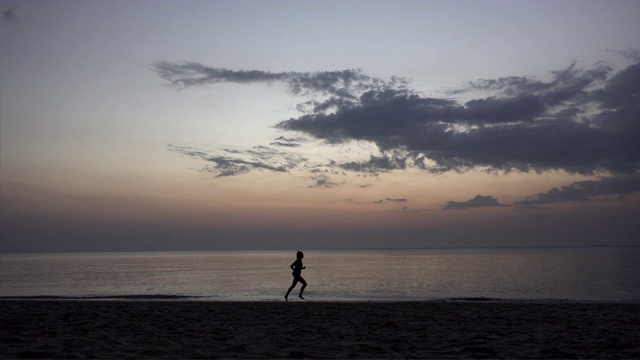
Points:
(305, 329)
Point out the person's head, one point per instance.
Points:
(299, 254)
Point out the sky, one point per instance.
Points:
(236, 125)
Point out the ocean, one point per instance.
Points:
(599, 273)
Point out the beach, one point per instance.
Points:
(472, 328)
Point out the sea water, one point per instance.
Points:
(561, 273)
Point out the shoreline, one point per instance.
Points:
(202, 298)
(317, 329)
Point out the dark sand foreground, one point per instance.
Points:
(187, 329)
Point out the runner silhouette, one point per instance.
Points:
(297, 270)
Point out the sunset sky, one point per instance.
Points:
(215, 125)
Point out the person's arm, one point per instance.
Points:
(293, 266)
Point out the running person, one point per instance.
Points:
(297, 270)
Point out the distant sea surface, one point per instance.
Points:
(554, 273)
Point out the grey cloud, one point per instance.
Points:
(191, 73)
(622, 90)
(399, 200)
(377, 164)
(630, 54)
(565, 84)
(339, 84)
(517, 108)
(231, 162)
(10, 17)
(277, 143)
(581, 121)
(287, 142)
(531, 125)
(323, 181)
(586, 190)
(477, 202)
(509, 82)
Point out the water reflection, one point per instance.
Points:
(537, 273)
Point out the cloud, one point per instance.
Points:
(287, 142)
(322, 181)
(10, 17)
(582, 121)
(400, 200)
(629, 54)
(227, 162)
(231, 162)
(586, 190)
(477, 202)
(377, 164)
(339, 84)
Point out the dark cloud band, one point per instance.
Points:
(479, 201)
(586, 190)
(580, 121)
(560, 124)
(340, 84)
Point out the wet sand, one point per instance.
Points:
(303, 329)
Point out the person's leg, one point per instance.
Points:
(304, 285)
(295, 281)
